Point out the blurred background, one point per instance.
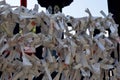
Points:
(76, 9)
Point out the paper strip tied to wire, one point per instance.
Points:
(73, 48)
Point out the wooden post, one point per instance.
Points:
(115, 10)
(23, 3)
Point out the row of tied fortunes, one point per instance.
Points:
(35, 44)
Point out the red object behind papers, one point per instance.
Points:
(24, 3)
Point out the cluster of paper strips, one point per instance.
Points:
(84, 52)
